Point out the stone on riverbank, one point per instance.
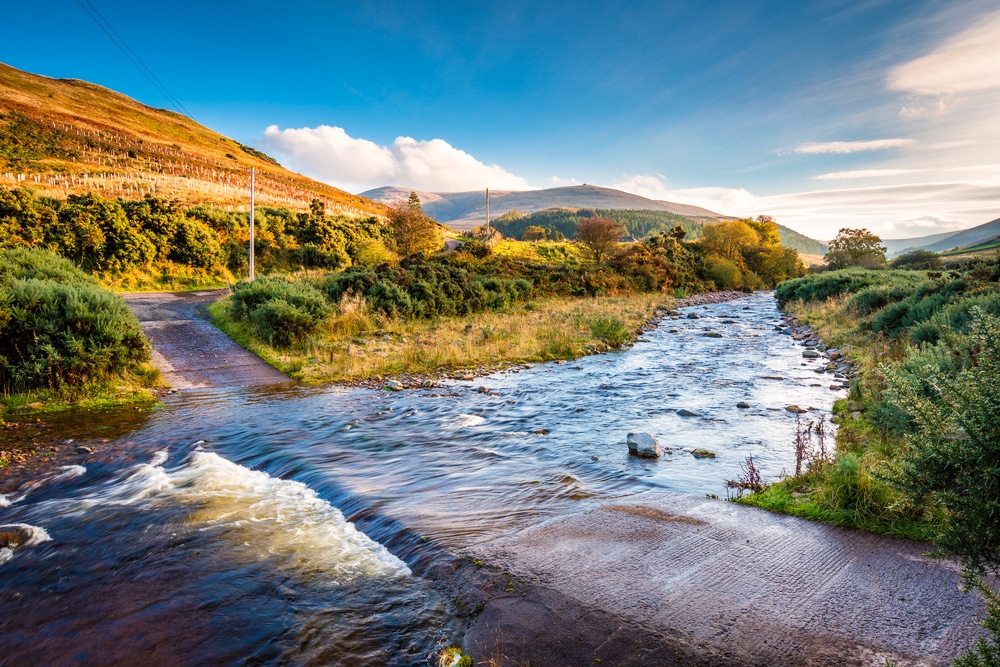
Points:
(643, 445)
(394, 385)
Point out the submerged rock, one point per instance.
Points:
(644, 445)
(810, 354)
(796, 409)
(703, 454)
(743, 405)
(712, 334)
(687, 413)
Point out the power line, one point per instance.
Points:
(132, 56)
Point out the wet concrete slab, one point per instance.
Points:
(729, 585)
(189, 351)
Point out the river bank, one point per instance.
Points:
(518, 512)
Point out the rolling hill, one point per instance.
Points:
(947, 241)
(64, 136)
(465, 210)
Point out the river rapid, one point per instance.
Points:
(293, 525)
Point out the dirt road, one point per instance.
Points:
(188, 350)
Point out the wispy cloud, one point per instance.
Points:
(329, 154)
(862, 173)
(843, 147)
(967, 62)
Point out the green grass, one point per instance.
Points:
(133, 391)
(797, 496)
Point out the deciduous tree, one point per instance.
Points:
(599, 234)
(412, 232)
(855, 247)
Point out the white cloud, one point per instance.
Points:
(967, 62)
(726, 201)
(862, 173)
(330, 155)
(842, 147)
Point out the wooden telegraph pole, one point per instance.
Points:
(251, 223)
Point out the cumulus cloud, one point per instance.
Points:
(331, 155)
(967, 62)
(843, 147)
(862, 173)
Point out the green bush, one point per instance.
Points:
(724, 273)
(57, 328)
(611, 330)
(282, 312)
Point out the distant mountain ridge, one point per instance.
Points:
(946, 241)
(465, 210)
(65, 136)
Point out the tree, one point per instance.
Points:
(414, 202)
(412, 232)
(599, 234)
(855, 247)
(766, 228)
(728, 239)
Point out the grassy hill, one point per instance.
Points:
(64, 136)
(562, 222)
(965, 239)
(465, 210)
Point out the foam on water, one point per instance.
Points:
(261, 517)
(3, 501)
(30, 536)
(466, 421)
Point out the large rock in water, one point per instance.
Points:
(644, 445)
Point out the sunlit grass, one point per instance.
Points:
(356, 345)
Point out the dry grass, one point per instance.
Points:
(355, 345)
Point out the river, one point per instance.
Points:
(292, 525)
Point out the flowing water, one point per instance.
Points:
(292, 525)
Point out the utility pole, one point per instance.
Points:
(487, 209)
(251, 223)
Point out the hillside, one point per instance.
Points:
(465, 210)
(64, 136)
(946, 241)
(557, 209)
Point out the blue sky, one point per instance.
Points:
(882, 114)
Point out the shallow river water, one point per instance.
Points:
(285, 525)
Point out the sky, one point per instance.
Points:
(881, 114)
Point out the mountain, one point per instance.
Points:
(465, 210)
(64, 136)
(947, 241)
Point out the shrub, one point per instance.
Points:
(611, 330)
(724, 273)
(282, 312)
(57, 328)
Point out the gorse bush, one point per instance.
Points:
(112, 237)
(282, 312)
(58, 328)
